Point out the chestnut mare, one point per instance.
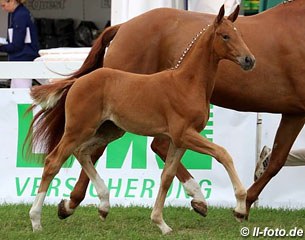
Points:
(276, 85)
(173, 104)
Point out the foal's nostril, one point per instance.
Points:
(248, 62)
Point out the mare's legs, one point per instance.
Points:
(194, 141)
(287, 132)
(171, 164)
(160, 146)
(110, 132)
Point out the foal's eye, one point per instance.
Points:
(225, 37)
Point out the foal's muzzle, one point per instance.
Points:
(247, 62)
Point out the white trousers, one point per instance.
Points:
(296, 158)
(21, 83)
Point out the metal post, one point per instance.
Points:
(186, 5)
(259, 121)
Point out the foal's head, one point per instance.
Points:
(228, 43)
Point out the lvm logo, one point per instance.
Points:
(115, 158)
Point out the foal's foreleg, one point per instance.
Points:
(170, 168)
(194, 141)
(289, 128)
(160, 146)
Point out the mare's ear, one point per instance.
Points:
(220, 15)
(234, 14)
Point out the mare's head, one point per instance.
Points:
(228, 43)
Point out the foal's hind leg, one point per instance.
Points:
(77, 131)
(67, 207)
(160, 146)
(52, 166)
(109, 132)
(102, 191)
(194, 141)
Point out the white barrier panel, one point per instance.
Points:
(132, 171)
(123, 10)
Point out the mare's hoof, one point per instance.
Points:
(62, 211)
(240, 217)
(200, 207)
(103, 214)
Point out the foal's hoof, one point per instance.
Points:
(103, 214)
(166, 231)
(200, 207)
(240, 217)
(37, 228)
(62, 211)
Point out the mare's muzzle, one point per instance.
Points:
(247, 62)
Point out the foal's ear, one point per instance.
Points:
(220, 15)
(234, 14)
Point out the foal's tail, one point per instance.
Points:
(95, 59)
(47, 126)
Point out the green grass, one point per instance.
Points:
(134, 223)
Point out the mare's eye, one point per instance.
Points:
(225, 37)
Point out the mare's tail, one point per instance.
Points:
(47, 126)
(95, 59)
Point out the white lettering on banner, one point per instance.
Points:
(119, 188)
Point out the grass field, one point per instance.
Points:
(134, 223)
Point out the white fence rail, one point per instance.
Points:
(38, 70)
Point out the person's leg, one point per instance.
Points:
(295, 158)
(21, 83)
(262, 162)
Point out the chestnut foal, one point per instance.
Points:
(173, 104)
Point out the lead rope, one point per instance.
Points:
(188, 48)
